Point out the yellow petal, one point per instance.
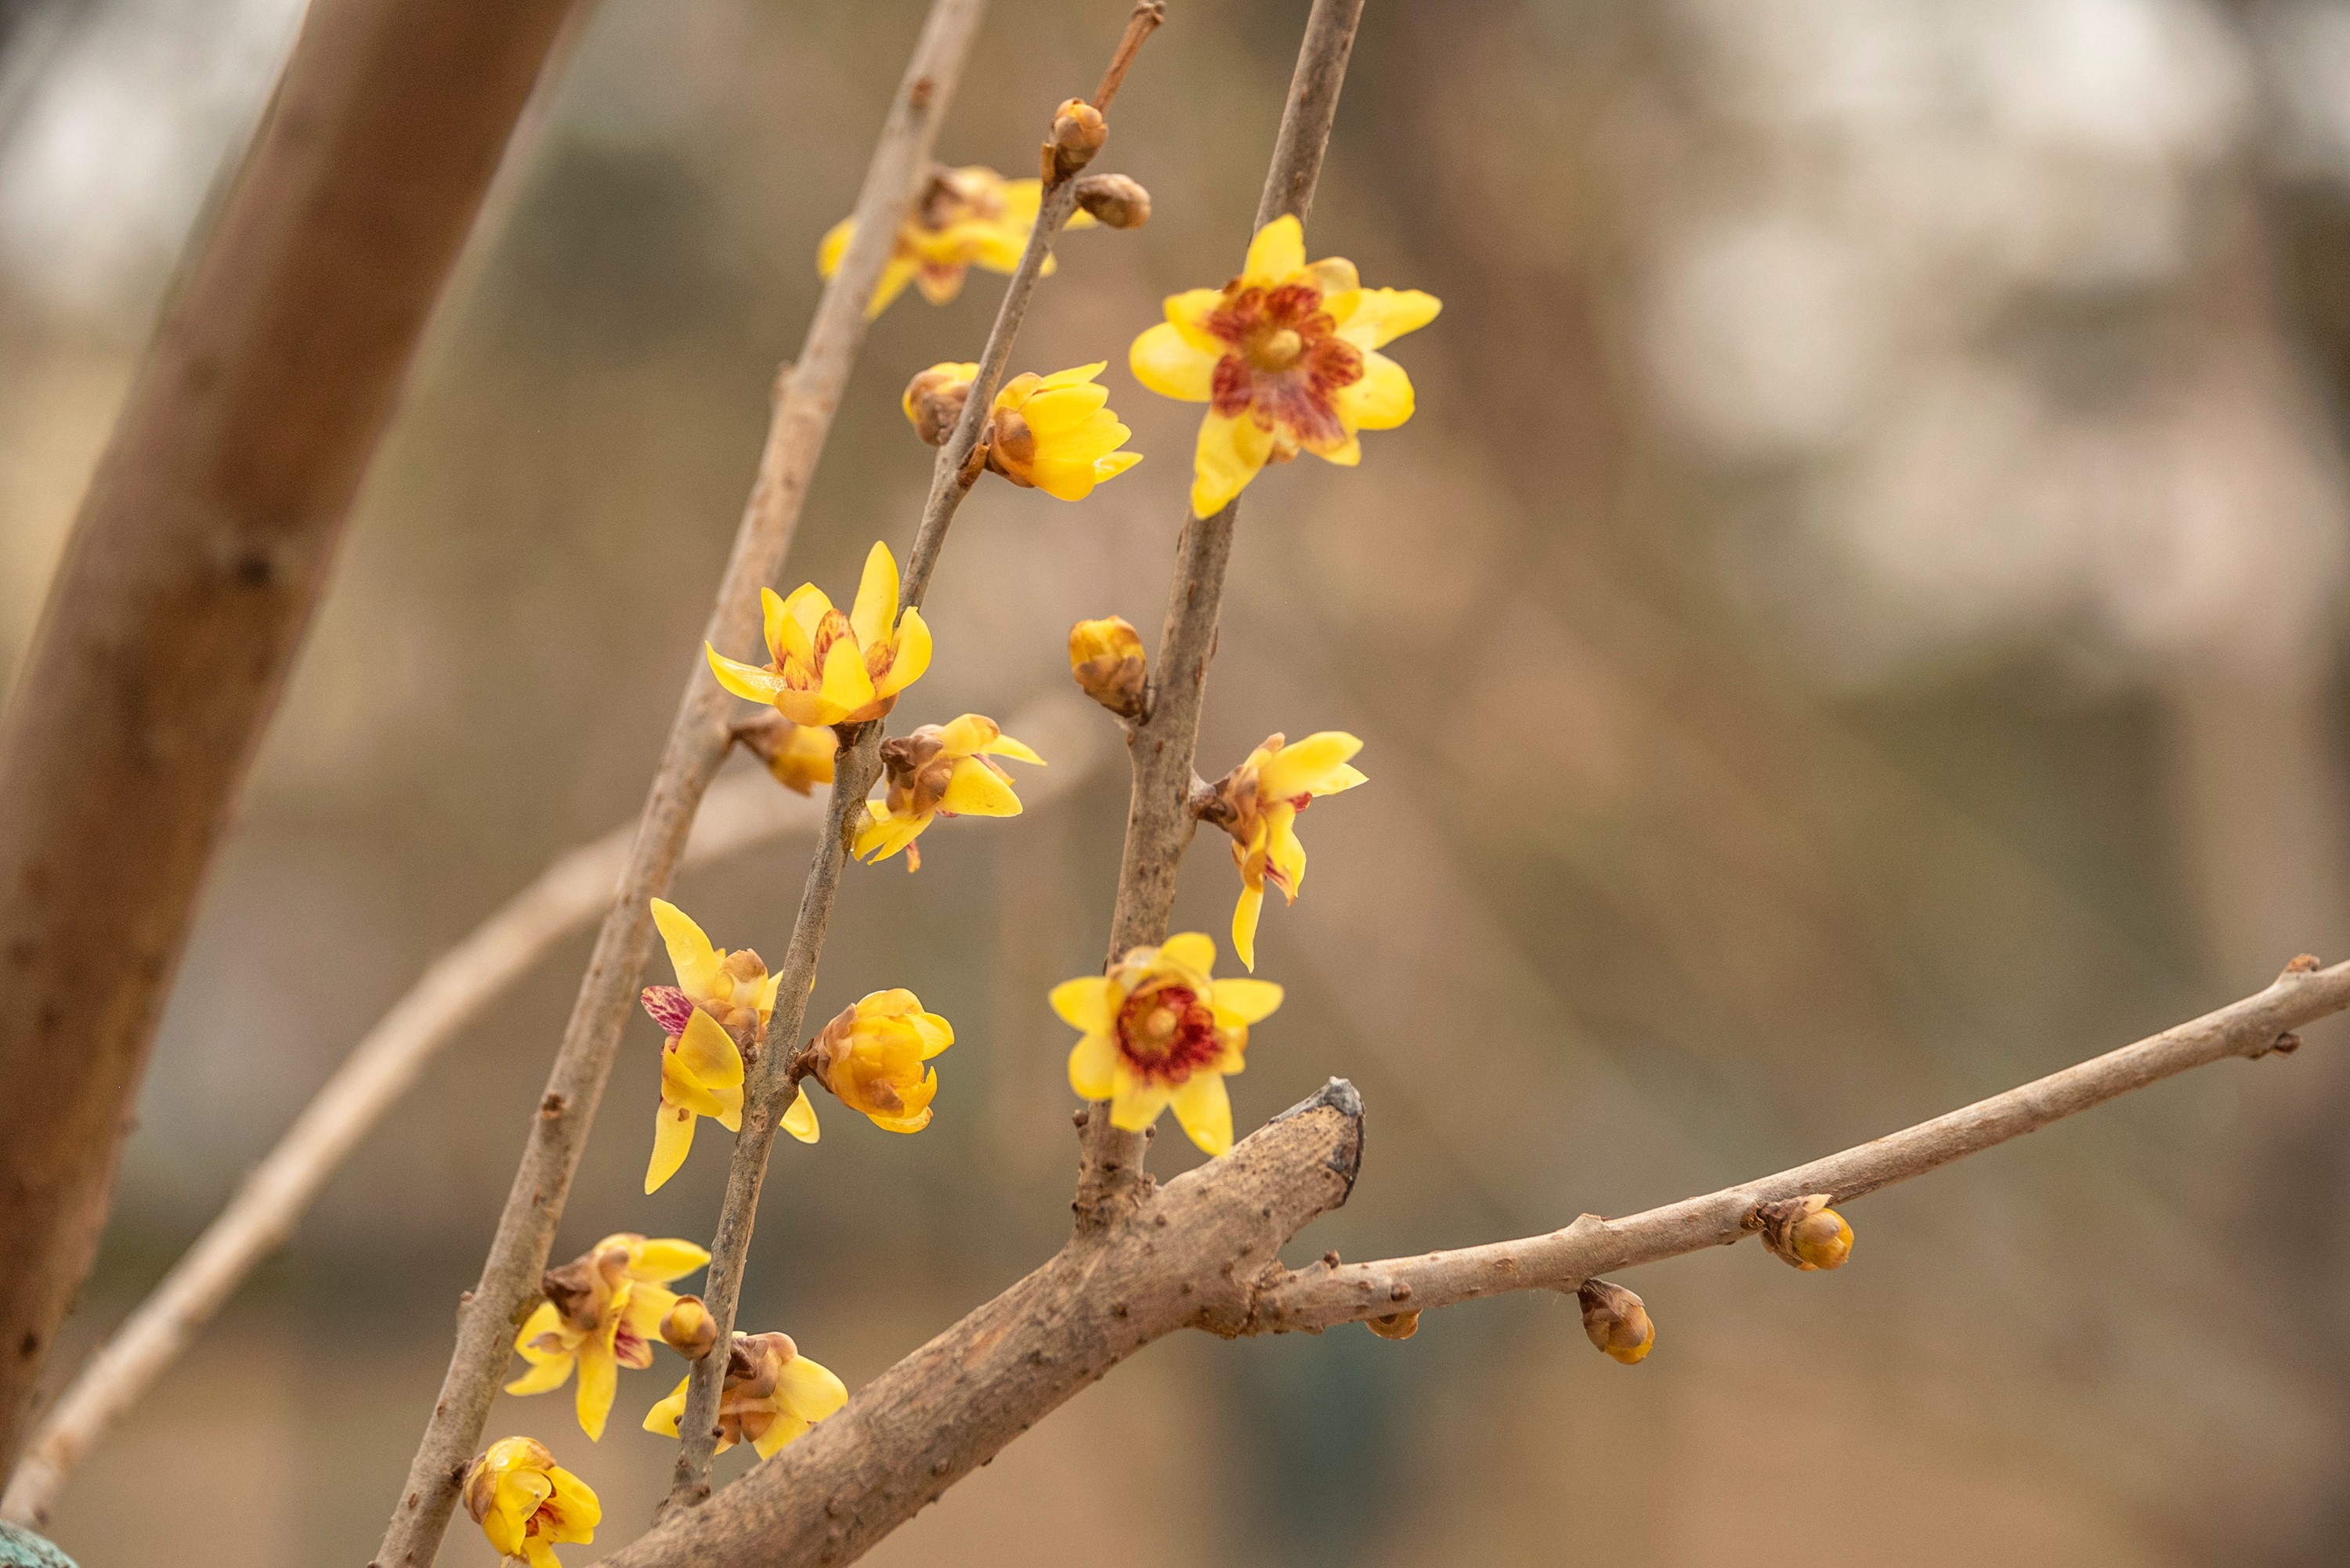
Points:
(709, 1053)
(846, 684)
(689, 953)
(665, 1259)
(935, 1032)
(665, 1414)
(1171, 365)
(1206, 1112)
(1335, 277)
(1088, 1002)
(1377, 316)
(1018, 751)
(1278, 250)
(545, 1319)
(1286, 850)
(600, 1380)
(1381, 400)
(808, 1389)
(1347, 452)
(1093, 1067)
(1241, 1000)
(580, 1509)
(877, 598)
(672, 1139)
(1075, 376)
(546, 1374)
(1245, 921)
(800, 1120)
(780, 1431)
(896, 273)
(1021, 199)
(1053, 413)
(1189, 313)
(909, 656)
(771, 620)
(730, 1108)
(1137, 1104)
(681, 1088)
(745, 681)
(518, 1495)
(802, 613)
(1231, 450)
(1195, 950)
(829, 249)
(1305, 767)
(974, 790)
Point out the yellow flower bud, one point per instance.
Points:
(1114, 199)
(689, 1329)
(934, 400)
(1079, 133)
(1106, 660)
(1616, 1321)
(1806, 1231)
(1395, 1326)
(874, 1056)
(800, 756)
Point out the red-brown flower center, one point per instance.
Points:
(1285, 362)
(1167, 1033)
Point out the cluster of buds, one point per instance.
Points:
(1106, 661)
(1804, 1231)
(1616, 1321)
(800, 756)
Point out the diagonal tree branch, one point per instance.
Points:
(697, 744)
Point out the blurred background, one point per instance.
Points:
(1855, 623)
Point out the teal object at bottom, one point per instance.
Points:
(23, 1549)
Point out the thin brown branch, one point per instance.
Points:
(697, 744)
(1315, 1297)
(1164, 740)
(773, 1079)
(1148, 15)
(199, 552)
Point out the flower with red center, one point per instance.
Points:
(1258, 801)
(939, 769)
(603, 1310)
(1286, 357)
(721, 1004)
(526, 1502)
(828, 668)
(963, 216)
(874, 1058)
(1161, 1030)
(772, 1394)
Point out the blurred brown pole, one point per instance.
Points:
(199, 554)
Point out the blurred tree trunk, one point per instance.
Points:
(198, 557)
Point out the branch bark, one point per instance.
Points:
(198, 554)
(697, 744)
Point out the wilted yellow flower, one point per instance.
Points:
(829, 668)
(772, 1395)
(1158, 1030)
(721, 1001)
(1106, 661)
(939, 769)
(1258, 801)
(526, 1503)
(871, 1058)
(1286, 356)
(800, 756)
(603, 1311)
(963, 216)
(1616, 1321)
(1053, 433)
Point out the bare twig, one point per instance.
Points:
(1164, 740)
(198, 555)
(774, 1077)
(1315, 1297)
(1148, 15)
(740, 811)
(697, 744)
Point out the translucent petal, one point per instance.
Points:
(909, 656)
(877, 598)
(666, 1258)
(745, 681)
(974, 790)
(896, 273)
(780, 1431)
(829, 250)
(1277, 251)
(1231, 450)
(803, 612)
(1245, 1001)
(1093, 1068)
(1087, 1002)
(1172, 365)
(1381, 400)
(808, 1389)
(1075, 376)
(689, 952)
(599, 1381)
(1377, 316)
(672, 1139)
(1137, 1104)
(1304, 766)
(800, 1120)
(1206, 1112)
(1018, 751)
(1195, 950)
(709, 1053)
(664, 1415)
(1245, 915)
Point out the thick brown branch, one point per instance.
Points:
(697, 744)
(1315, 1297)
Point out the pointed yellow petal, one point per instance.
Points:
(1137, 1104)
(1163, 359)
(829, 249)
(1242, 1000)
(936, 1032)
(783, 1429)
(679, 1087)
(547, 1374)
(1347, 452)
(1381, 400)
(846, 685)
(1075, 376)
(896, 273)
(1205, 1110)
(877, 598)
(1195, 950)
(1244, 921)
(1305, 767)
(672, 1139)
(772, 619)
(801, 613)
(1087, 1002)
(664, 1259)
(910, 656)
(1093, 1067)
(1278, 250)
(1054, 412)
(1018, 751)
(974, 790)
(808, 1389)
(730, 1108)
(600, 1380)
(1378, 317)
(800, 1120)
(1335, 277)
(745, 681)
(1229, 453)
(545, 1319)
(689, 952)
(664, 1415)
(709, 1053)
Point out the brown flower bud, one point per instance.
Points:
(1616, 1321)
(1115, 200)
(689, 1329)
(1395, 1326)
(1079, 133)
(934, 400)
(1804, 1231)
(1106, 660)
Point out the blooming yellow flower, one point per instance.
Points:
(721, 1001)
(1286, 357)
(1053, 433)
(1258, 801)
(829, 668)
(526, 1502)
(939, 769)
(1159, 1030)
(603, 1311)
(963, 216)
(871, 1058)
(772, 1395)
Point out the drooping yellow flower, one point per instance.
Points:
(772, 1395)
(720, 1003)
(1159, 1030)
(871, 1056)
(526, 1503)
(832, 669)
(963, 216)
(1258, 801)
(939, 769)
(1286, 357)
(603, 1311)
(1053, 433)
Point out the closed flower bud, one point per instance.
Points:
(1806, 1231)
(800, 756)
(934, 400)
(1395, 1326)
(1079, 133)
(1118, 202)
(1617, 1322)
(689, 1329)
(1106, 658)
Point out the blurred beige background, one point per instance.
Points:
(1854, 623)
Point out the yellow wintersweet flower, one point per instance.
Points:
(772, 1395)
(871, 1058)
(526, 1502)
(720, 1003)
(829, 668)
(799, 756)
(603, 1311)
(963, 216)
(939, 769)
(1053, 433)
(1159, 1030)
(1286, 357)
(1258, 801)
